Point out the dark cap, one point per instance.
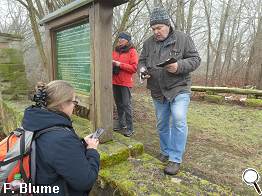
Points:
(125, 35)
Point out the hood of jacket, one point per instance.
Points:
(36, 119)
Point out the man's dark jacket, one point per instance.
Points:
(163, 83)
(61, 157)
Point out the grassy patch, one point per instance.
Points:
(223, 140)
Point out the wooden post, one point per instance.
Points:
(101, 28)
(49, 54)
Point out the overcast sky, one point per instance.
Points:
(6, 12)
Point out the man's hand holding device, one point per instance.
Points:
(170, 65)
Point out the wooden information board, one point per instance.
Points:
(73, 56)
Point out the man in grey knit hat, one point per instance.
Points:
(169, 84)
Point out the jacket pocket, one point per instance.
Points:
(173, 80)
(176, 53)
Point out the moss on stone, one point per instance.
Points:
(82, 126)
(14, 80)
(211, 93)
(112, 153)
(136, 148)
(254, 102)
(11, 115)
(214, 98)
(10, 56)
(144, 176)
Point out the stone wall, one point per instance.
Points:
(10, 41)
(13, 82)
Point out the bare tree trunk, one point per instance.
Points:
(259, 82)
(180, 15)
(255, 56)
(40, 9)
(249, 65)
(217, 63)
(258, 47)
(148, 7)
(50, 5)
(237, 54)
(231, 43)
(190, 16)
(156, 3)
(238, 45)
(207, 12)
(36, 32)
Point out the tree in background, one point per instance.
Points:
(255, 57)
(36, 12)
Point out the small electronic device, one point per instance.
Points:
(97, 133)
(167, 62)
(144, 74)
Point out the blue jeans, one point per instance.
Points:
(172, 126)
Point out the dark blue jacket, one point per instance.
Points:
(60, 155)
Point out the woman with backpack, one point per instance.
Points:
(62, 158)
(125, 60)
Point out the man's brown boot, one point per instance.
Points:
(172, 168)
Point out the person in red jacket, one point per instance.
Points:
(125, 60)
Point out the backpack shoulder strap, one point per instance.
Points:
(33, 148)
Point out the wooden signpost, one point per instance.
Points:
(79, 44)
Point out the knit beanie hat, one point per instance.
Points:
(125, 35)
(159, 16)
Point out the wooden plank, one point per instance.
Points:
(101, 28)
(68, 19)
(227, 90)
(49, 54)
(92, 53)
(74, 6)
(115, 3)
(64, 10)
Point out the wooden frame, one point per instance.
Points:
(100, 15)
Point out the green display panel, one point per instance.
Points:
(73, 56)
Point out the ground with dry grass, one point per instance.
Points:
(223, 140)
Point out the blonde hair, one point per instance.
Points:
(57, 93)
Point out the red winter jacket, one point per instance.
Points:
(128, 66)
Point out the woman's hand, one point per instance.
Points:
(91, 142)
(117, 63)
